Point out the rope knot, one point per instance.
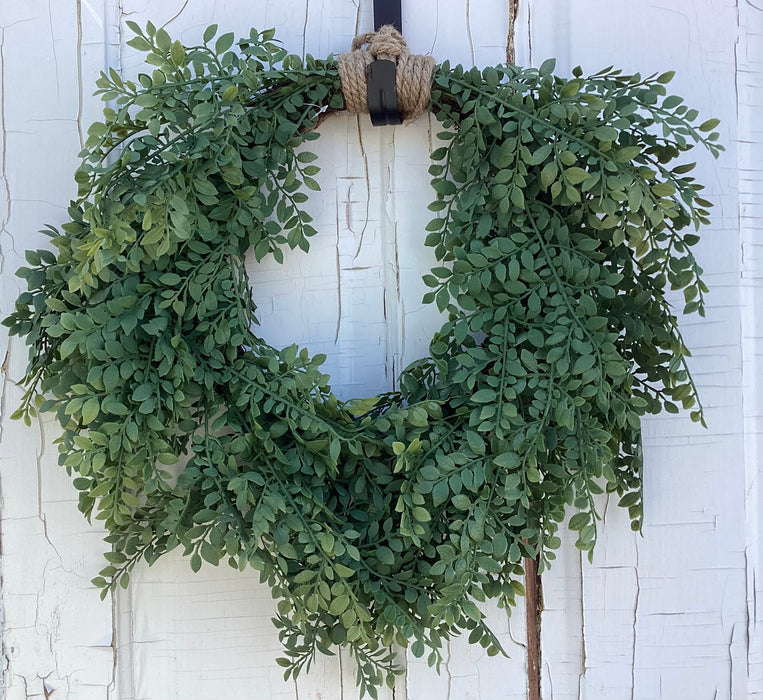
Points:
(386, 44)
(414, 72)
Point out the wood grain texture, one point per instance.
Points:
(674, 614)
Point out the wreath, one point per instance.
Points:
(561, 234)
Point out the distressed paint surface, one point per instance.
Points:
(674, 614)
(57, 636)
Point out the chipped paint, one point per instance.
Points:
(511, 31)
(5, 186)
(748, 85)
(5, 215)
(80, 86)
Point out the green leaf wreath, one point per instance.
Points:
(559, 229)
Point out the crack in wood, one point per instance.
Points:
(511, 33)
(635, 623)
(446, 666)
(112, 686)
(731, 662)
(53, 48)
(583, 650)
(176, 15)
(341, 675)
(747, 616)
(550, 680)
(79, 75)
(469, 31)
(304, 29)
(338, 282)
(364, 155)
(529, 33)
(6, 216)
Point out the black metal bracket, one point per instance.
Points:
(388, 12)
(381, 86)
(381, 78)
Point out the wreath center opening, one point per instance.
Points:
(356, 297)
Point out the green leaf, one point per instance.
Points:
(576, 175)
(666, 77)
(583, 363)
(571, 89)
(476, 443)
(339, 605)
(606, 133)
(471, 610)
(343, 571)
(143, 392)
(709, 125)
(663, 189)
(549, 173)
(484, 396)
(579, 521)
(421, 515)
(629, 499)
(223, 43)
(209, 33)
(230, 93)
(177, 53)
(90, 410)
(163, 40)
(547, 67)
(440, 493)
(508, 460)
(385, 555)
(627, 153)
(461, 502)
(139, 43)
(327, 541)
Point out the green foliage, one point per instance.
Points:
(559, 229)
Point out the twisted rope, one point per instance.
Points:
(414, 72)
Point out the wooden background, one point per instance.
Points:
(676, 614)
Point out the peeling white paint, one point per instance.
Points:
(749, 90)
(674, 615)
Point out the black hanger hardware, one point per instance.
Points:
(381, 78)
(388, 12)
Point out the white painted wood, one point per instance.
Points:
(673, 614)
(669, 615)
(56, 634)
(749, 86)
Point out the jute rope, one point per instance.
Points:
(414, 73)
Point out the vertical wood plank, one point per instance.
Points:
(50, 55)
(747, 646)
(644, 630)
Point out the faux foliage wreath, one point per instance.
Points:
(559, 228)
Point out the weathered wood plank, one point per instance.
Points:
(671, 615)
(57, 636)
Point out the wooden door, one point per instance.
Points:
(668, 615)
